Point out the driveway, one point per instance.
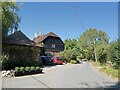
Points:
(63, 76)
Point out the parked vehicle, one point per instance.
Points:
(47, 60)
(58, 60)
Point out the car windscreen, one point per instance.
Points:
(48, 58)
(43, 58)
(59, 58)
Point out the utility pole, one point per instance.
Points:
(95, 50)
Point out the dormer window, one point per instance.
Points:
(53, 45)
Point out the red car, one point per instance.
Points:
(58, 60)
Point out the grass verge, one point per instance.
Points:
(113, 73)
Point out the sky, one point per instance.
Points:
(68, 20)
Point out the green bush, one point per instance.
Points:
(37, 68)
(32, 68)
(37, 63)
(27, 68)
(12, 57)
(4, 58)
(73, 62)
(22, 68)
(69, 55)
(104, 67)
(115, 73)
(17, 68)
(78, 57)
(114, 53)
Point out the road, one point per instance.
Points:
(64, 76)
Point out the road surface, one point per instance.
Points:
(63, 76)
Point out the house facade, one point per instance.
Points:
(52, 42)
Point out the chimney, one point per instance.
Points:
(39, 33)
(35, 35)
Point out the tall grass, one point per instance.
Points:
(107, 69)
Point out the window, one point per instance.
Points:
(53, 45)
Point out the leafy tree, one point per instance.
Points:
(90, 39)
(114, 53)
(71, 50)
(10, 18)
(69, 55)
(70, 44)
(102, 53)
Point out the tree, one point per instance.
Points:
(10, 18)
(102, 53)
(90, 39)
(114, 53)
(70, 44)
(71, 50)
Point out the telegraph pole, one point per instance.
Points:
(95, 50)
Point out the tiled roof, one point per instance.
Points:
(19, 38)
(43, 37)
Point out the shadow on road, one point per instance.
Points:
(115, 86)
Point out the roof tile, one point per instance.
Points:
(43, 37)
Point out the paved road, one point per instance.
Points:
(64, 76)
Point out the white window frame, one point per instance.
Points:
(53, 45)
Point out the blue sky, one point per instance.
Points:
(61, 19)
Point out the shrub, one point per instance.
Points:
(12, 56)
(115, 74)
(22, 68)
(32, 68)
(114, 53)
(17, 68)
(27, 68)
(4, 58)
(37, 63)
(78, 57)
(73, 62)
(69, 54)
(37, 68)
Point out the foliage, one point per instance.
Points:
(42, 50)
(5, 60)
(32, 68)
(10, 18)
(22, 68)
(37, 68)
(73, 62)
(97, 42)
(114, 52)
(70, 44)
(27, 68)
(107, 69)
(90, 39)
(71, 50)
(102, 53)
(28, 57)
(49, 54)
(4, 57)
(37, 63)
(69, 54)
(92, 45)
(17, 68)
(80, 56)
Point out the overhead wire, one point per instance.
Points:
(77, 16)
